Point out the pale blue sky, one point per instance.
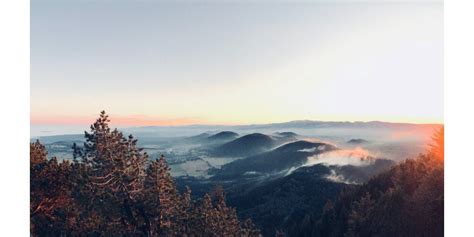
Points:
(236, 62)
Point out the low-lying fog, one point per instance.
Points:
(190, 154)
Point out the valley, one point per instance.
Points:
(279, 175)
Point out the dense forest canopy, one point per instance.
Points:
(408, 200)
(113, 188)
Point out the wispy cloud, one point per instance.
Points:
(357, 157)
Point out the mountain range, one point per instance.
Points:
(277, 176)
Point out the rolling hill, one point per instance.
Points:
(288, 202)
(280, 159)
(224, 136)
(245, 146)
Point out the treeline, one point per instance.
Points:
(111, 188)
(408, 200)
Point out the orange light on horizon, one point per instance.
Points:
(147, 120)
(154, 120)
(134, 120)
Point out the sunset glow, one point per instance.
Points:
(179, 64)
(235, 118)
(134, 120)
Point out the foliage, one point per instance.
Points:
(112, 189)
(50, 189)
(408, 200)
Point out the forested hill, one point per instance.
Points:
(407, 200)
(112, 187)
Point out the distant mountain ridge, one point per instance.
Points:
(299, 123)
(190, 130)
(286, 134)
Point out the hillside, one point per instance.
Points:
(197, 138)
(282, 158)
(244, 146)
(284, 203)
(286, 134)
(224, 136)
(407, 200)
(121, 193)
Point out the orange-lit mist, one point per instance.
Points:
(437, 145)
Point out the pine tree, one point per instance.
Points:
(407, 200)
(162, 199)
(215, 218)
(111, 189)
(50, 187)
(248, 229)
(115, 171)
(185, 214)
(227, 220)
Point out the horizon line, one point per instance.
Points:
(239, 124)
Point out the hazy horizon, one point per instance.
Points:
(67, 129)
(163, 63)
(236, 117)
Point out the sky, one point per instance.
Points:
(235, 62)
